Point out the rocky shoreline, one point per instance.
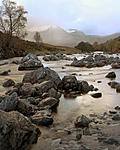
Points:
(30, 104)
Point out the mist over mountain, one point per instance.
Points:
(57, 36)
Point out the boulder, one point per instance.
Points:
(44, 87)
(8, 83)
(96, 95)
(116, 65)
(69, 82)
(82, 121)
(31, 64)
(113, 84)
(111, 75)
(27, 90)
(49, 102)
(16, 131)
(9, 103)
(85, 87)
(40, 75)
(42, 118)
(25, 108)
(28, 57)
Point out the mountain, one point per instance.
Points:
(58, 36)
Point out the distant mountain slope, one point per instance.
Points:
(58, 36)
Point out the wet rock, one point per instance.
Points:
(49, 102)
(85, 87)
(113, 84)
(30, 65)
(56, 57)
(111, 75)
(42, 74)
(117, 107)
(78, 136)
(16, 131)
(82, 121)
(28, 57)
(69, 82)
(8, 83)
(9, 103)
(99, 81)
(44, 87)
(34, 101)
(116, 66)
(116, 117)
(5, 73)
(96, 95)
(113, 112)
(51, 58)
(118, 88)
(25, 107)
(53, 93)
(27, 90)
(42, 118)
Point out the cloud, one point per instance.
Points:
(96, 16)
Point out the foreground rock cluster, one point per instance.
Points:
(97, 60)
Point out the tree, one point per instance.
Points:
(37, 38)
(85, 47)
(12, 19)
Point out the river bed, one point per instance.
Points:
(70, 108)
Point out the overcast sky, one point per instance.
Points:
(90, 16)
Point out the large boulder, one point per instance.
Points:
(49, 102)
(69, 82)
(40, 75)
(31, 64)
(16, 131)
(42, 118)
(82, 121)
(111, 75)
(27, 90)
(9, 103)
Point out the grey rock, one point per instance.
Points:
(96, 95)
(111, 75)
(42, 118)
(40, 75)
(9, 103)
(8, 83)
(82, 121)
(49, 102)
(16, 131)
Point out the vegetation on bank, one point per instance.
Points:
(112, 45)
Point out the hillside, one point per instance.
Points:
(20, 47)
(112, 45)
(58, 36)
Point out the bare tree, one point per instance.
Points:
(37, 38)
(12, 19)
